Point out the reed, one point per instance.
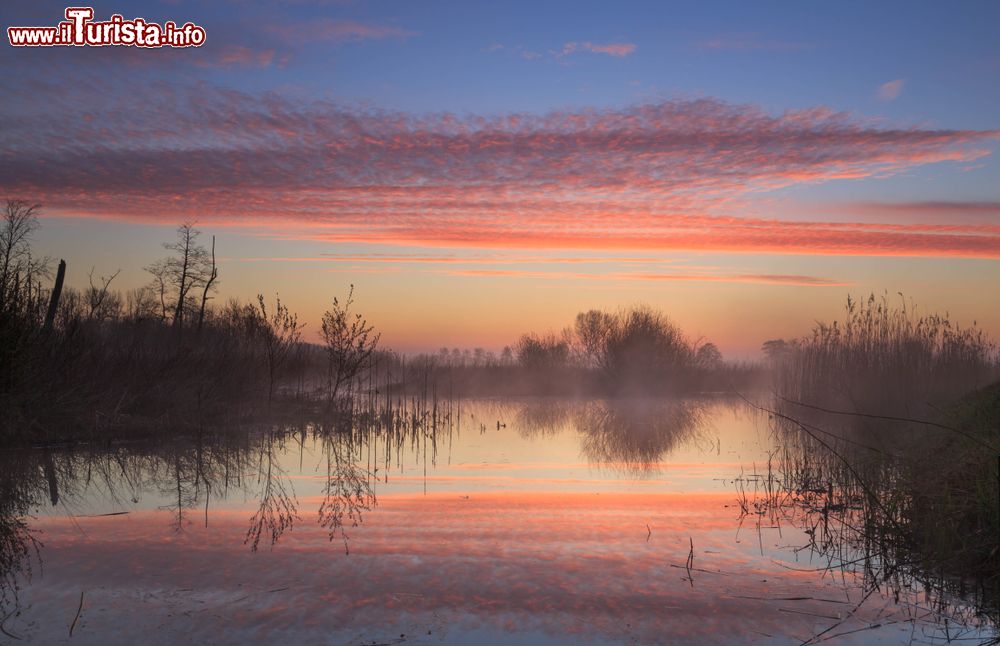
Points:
(887, 359)
(921, 516)
(890, 421)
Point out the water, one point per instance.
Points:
(525, 522)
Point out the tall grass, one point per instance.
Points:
(898, 415)
(887, 358)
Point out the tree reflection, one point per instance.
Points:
(188, 471)
(19, 493)
(538, 418)
(635, 435)
(346, 493)
(632, 435)
(278, 509)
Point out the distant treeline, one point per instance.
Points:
(634, 351)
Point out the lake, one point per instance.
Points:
(532, 521)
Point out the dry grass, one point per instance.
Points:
(892, 436)
(887, 359)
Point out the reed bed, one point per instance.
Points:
(891, 426)
(887, 359)
(857, 512)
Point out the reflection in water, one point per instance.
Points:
(480, 534)
(278, 508)
(184, 476)
(18, 544)
(852, 496)
(544, 417)
(630, 435)
(636, 434)
(347, 492)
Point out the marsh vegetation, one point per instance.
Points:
(889, 423)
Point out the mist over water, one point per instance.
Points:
(539, 520)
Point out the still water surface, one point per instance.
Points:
(525, 522)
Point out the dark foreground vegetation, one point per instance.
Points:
(890, 424)
(79, 364)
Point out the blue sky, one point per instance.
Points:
(777, 55)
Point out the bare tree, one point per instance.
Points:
(183, 267)
(350, 342)
(708, 356)
(160, 287)
(776, 349)
(546, 352)
(592, 330)
(99, 300)
(18, 268)
(178, 276)
(280, 332)
(507, 356)
(141, 303)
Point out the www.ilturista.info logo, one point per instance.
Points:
(79, 29)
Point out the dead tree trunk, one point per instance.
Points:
(50, 316)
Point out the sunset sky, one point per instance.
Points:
(478, 170)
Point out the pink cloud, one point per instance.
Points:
(766, 279)
(337, 31)
(483, 259)
(748, 43)
(675, 175)
(958, 215)
(623, 277)
(618, 50)
(890, 91)
(240, 56)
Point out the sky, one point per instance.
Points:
(478, 170)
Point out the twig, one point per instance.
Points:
(811, 614)
(690, 562)
(114, 513)
(4, 630)
(740, 596)
(78, 611)
(698, 569)
(893, 418)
